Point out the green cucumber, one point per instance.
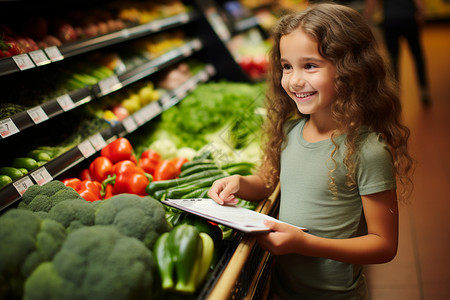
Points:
(198, 193)
(160, 195)
(4, 180)
(27, 163)
(242, 164)
(165, 184)
(40, 155)
(198, 168)
(193, 163)
(178, 192)
(14, 173)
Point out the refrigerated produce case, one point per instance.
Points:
(29, 120)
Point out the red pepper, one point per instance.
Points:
(178, 162)
(117, 150)
(126, 166)
(100, 168)
(165, 170)
(131, 183)
(127, 178)
(84, 174)
(149, 160)
(108, 193)
(72, 182)
(90, 190)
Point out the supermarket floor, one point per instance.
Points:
(421, 269)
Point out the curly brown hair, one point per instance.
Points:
(366, 91)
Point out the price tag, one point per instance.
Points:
(129, 124)
(41, 176)
(39, 58)
(97, 141)
(210, 69)
(140, 117)
(203, 76)
(109, 84)
(53, 53)
(196, 44)
(184, 18)
(37, 114)
(86, 148)
(125, 33)
(23, 184)
(65, 102)
(7, 128)
(155, 26)
(152, 110)
(180, 93)
(186, 50)
(164, 100)
(23, 62)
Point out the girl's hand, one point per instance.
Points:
(283, 239)
(223, 190)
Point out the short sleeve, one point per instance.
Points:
(375, 172)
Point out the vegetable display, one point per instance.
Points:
(27, 241)
(95, 263)
(183, 256)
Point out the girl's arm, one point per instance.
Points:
(378, 246)
(251, 188)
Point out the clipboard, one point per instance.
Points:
(233, 216)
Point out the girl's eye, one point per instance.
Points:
(310, 66)
(286, 67)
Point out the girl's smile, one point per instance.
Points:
(308, 78)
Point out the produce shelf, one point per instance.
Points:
(59, 105)
(10, 65)
(45, 173)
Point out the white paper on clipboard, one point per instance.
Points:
(236, 217)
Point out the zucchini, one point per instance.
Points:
(178, 192)
(241, 168)
(198, 193)
(193, 163)
(198, 168)
(165, 184)
(160, 195)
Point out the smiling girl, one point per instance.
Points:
(335, 143)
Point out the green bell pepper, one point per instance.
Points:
(183, 256)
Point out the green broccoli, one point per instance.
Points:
(73, 213)
(27, 241)
(96, 263)
(42, 198)
(134, 216)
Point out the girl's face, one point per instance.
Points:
(307, 77)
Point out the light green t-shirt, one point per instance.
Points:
(307, 201)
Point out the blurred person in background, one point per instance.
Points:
(403, 18)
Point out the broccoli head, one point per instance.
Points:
(42, 198)
(96, 263)
(27, 241)
(73, 213)
(135, 216)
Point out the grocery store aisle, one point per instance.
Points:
(421, 269)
